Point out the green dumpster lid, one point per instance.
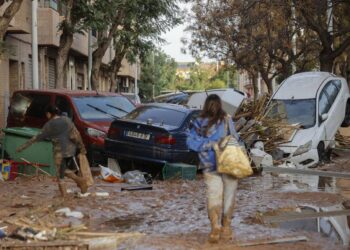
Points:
(24, 131)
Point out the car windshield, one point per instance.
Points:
(302, 112)
(102, 107)
(157, 115)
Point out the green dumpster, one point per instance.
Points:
(39, 153)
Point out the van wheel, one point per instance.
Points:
(321, 151)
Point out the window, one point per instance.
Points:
(300, 111)
(323, 104)
(157, 115)
(331, 91)
(337, 83)
(102, 107)
(63, 104)
(48, 4)
(38, 105)
(328, 96)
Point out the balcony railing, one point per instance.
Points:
(49, 4)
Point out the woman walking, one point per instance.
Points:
(208, 129)
(66, 141)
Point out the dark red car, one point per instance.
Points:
(92, 113)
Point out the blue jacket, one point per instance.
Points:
(203, 144)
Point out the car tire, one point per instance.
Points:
(346, 122)
(321, 152)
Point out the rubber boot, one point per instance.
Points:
(63, 189)
(226, 230)
(214, 217)
(80, 181)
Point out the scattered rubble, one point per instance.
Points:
(343, 141)
(253, 125)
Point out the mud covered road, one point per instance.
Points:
(171, 216)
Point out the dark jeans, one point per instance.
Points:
(67, 163)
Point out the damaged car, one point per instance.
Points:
(92, 112)
(153, 133)
(319, 103)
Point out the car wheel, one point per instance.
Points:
(346, 122)
(321, 151)
(324, 155)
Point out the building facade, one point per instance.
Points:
(16, 61)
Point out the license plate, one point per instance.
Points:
(138, 135)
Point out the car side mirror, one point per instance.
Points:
(324, 117)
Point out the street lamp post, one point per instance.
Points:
(35, 65)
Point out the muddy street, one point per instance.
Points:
(171, 216)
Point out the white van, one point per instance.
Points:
(319, 103)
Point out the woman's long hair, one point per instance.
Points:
(213, 110)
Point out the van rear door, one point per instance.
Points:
(28, 110)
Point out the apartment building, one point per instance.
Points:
(16, 62)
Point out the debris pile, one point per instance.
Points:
(342, 140)
(33, 226)
(252, 123)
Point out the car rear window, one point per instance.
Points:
(103, 107)
(157, 115)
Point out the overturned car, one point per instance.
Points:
(319, 103)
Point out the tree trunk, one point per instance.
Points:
(268, 82)
(113, 78)
(104, 41)
(115, 66)
(9, 13)
(326, 62)
(254, 80)
(66, 41)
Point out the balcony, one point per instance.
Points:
(22, 21)
(128, 69)
(48, 21)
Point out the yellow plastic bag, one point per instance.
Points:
(231, 158)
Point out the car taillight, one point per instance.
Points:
(113, 132)
(167, 139)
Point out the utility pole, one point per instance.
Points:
(35, 65)
(228, 78)
(89, 58)
(136, 87)
(330, 18)
(153, 79)
(294, 38)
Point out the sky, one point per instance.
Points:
(173, 44)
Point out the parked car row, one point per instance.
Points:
(113, 126)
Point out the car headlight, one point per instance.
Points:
(303, 148)
(95, 132)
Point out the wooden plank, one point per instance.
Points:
(274, 241)
(304, 215)
(136, 187)
(30, 245)
(35, 166)
(306, 172)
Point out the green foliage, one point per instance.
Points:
(204, 76)
(216, 84)
(158, 70)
